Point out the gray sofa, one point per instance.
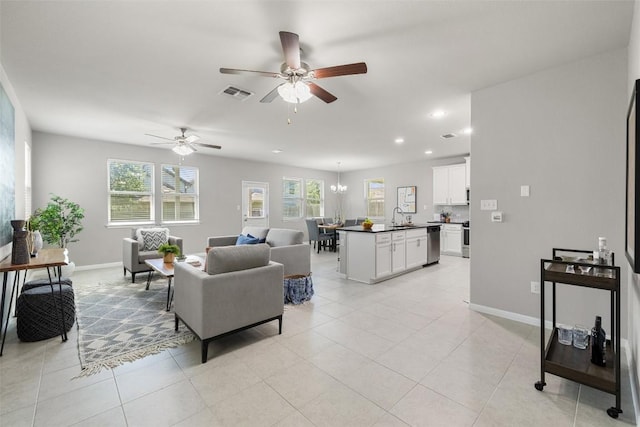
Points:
(133, 256)
(287, 247)
(241, 288)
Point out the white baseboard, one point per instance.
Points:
(98, 266)
(535, 321)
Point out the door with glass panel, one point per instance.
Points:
(255, 204)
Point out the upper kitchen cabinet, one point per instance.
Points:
(450, 185)
(467, 162)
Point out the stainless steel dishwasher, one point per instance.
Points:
(433, 244)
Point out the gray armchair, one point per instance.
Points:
(134, 255)
(240, 289)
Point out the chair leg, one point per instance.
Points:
(124, 271)
(204, 350)
(133, 277)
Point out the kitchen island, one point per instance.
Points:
(385, 251)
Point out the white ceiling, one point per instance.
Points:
(117, 70)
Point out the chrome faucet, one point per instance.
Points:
(393, 219)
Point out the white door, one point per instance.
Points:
(383, 259)
(255, 204)
(440, 186)
(458, 184)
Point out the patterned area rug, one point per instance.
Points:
(121, 321)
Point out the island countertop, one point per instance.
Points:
(384, 228)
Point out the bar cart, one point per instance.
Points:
(577, 268)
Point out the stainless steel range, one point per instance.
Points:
(465, 239)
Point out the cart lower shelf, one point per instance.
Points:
(572, 363)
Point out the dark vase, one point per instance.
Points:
(20, 247)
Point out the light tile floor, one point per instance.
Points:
(407, 351)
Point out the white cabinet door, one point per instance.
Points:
(452, 241)
(398, 252)
(458, 185)
(441, 185)
(449, 185)
(416, 252)
(383, 259)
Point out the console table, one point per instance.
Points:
(46, 258)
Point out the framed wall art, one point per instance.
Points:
(407, 199)
(632, 227)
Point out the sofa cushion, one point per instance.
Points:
(223, 259)
(151, 238)
(259, 232)
(284, 237)
(247, 240)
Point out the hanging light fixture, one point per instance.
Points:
(183, 149)
(294, 91)
(338, 188)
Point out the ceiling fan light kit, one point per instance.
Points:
(183, 149)
(294, 93)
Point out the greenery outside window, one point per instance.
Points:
(314, 198)
(292, 199)
(180, 196)
(130, 192)
(374, 197)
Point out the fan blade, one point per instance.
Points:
(161, 137)
(271, 95)
(321, 93)
(291, 48)
(217, 147)
(191, 138)
(163, 143)
(238, 71)
(340, 70)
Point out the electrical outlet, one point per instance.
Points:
(535, 287)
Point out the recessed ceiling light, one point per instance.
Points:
(438, 114)
(428, 152)
(277, 151)
(399, 140)
(467, 131)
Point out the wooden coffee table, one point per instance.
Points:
(166, 270)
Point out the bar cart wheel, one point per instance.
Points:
(540, 385)
(613, 412)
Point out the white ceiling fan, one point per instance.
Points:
(184, 145)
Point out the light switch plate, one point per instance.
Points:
(488, 205)
(496, 216)
(524, 191)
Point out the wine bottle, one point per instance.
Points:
(598, 344)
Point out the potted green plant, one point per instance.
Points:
(59, 221)
(169, 252)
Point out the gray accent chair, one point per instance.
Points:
(133, 257)
(240, 288)
(287, 247)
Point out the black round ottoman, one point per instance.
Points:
(42, 282)
(39, 312)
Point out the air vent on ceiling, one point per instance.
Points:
(448, 135)
(236, 93)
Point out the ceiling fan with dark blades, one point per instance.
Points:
(298, 85)
(183, 144)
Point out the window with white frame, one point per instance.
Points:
(131, 194)
(314, 198)
(292, 198)
(374, 197)
(179, 193)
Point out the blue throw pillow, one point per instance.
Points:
(247, 240)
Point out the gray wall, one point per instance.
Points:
(76, 168)
(633, 296)
(416, 173)
(562, 132)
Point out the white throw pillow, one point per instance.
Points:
(151, 238)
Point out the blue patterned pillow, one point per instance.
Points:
(247, 240)
(152, 239)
